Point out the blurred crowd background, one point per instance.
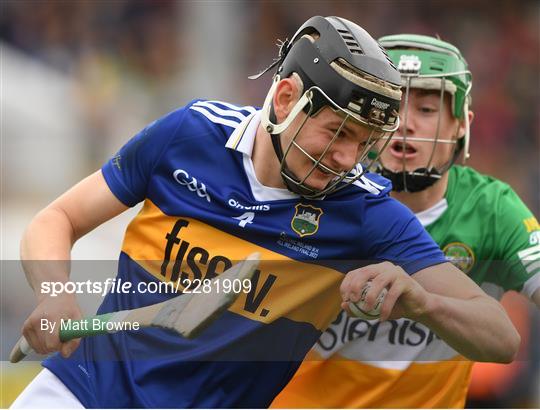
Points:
(80, 77)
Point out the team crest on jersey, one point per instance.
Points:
(460, 255)
(306, 219)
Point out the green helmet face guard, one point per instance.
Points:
(430, 64)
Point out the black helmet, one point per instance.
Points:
(343, 67)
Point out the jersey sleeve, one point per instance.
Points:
(518, 245)
(128, 172)
(406, 242)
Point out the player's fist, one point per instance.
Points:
(358, 309)
(42, 328)
(364, 286)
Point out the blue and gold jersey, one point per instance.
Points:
(204, 209)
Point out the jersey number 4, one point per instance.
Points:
(245, 218)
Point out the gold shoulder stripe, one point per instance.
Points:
(531, 224)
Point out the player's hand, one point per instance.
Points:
(63, 306)
(405, 297)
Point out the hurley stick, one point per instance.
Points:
(187, 314)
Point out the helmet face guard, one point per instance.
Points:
(343, 68)
(430, 64)
(310, 103)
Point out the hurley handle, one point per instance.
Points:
(73, 329)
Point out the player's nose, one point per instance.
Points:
(407, 123)
(345, 155)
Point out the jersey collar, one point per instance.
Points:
(242, 140)
(430, 215)
(243, 137)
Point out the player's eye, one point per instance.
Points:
(363, 143)
(335, 131)
(426, 109)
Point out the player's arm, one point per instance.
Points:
(444, 299)
(479, 318)
(45, 254)
(470, 321)
(122, 182)
(427, 289)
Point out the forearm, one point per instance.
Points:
(478, 327)
(45, 253)
(46, 247)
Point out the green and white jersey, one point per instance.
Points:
(485, 229)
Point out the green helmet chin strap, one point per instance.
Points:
(431, 64)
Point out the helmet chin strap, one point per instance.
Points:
(414, 181)
(269, 122)
(420, 178)
(286, 174)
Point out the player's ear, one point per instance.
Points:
(471, 117)
(285, 97)
(461, 130)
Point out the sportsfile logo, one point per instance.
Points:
(183, 178)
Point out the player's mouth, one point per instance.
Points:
(320, 177)
(402, 149)
(324, 169)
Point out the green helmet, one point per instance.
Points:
(425, 59)
(429, 63)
